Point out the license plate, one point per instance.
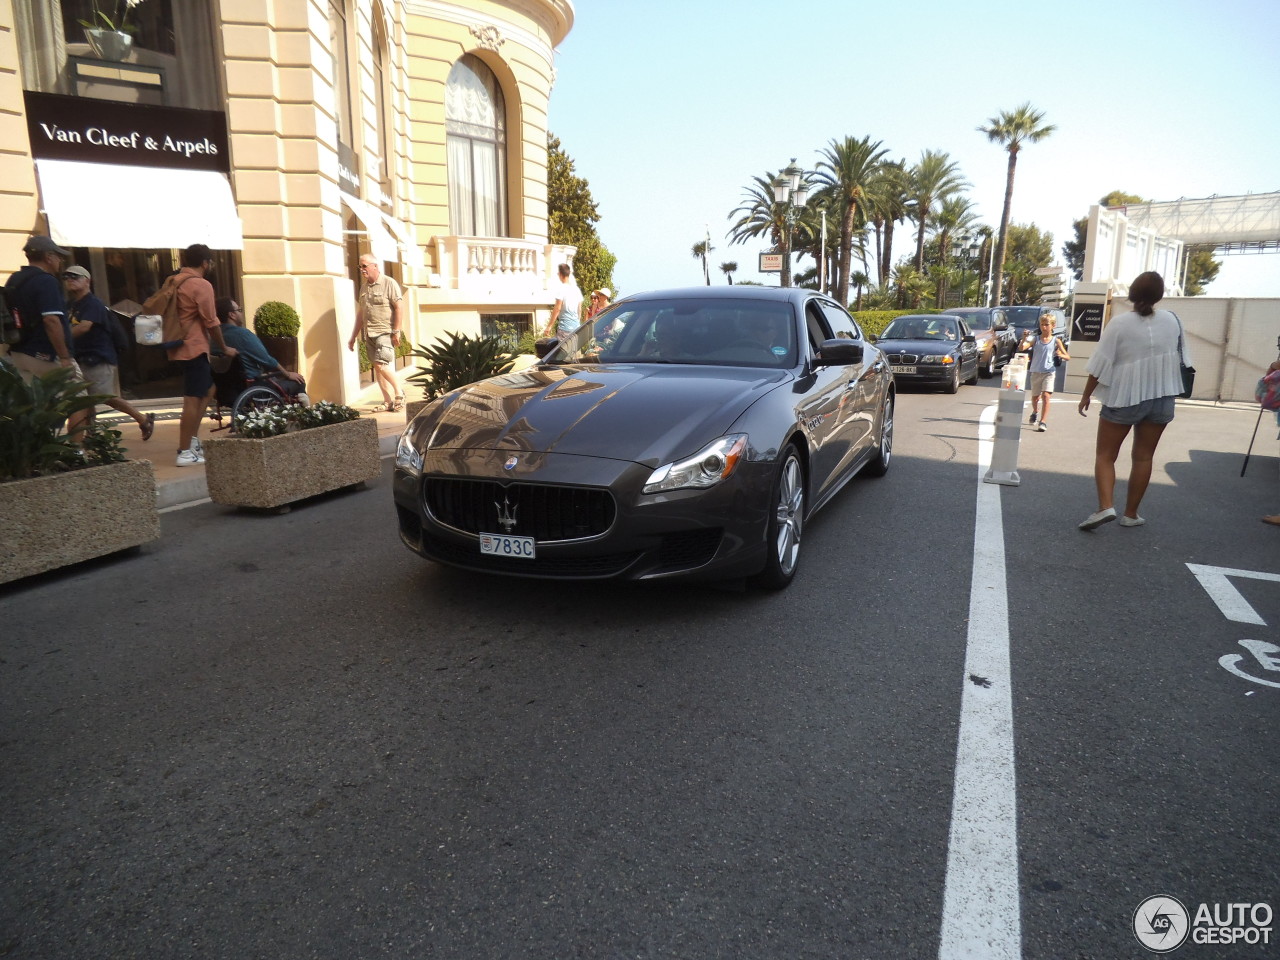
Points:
(902, 369)
(500, 545)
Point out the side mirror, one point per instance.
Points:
(839, 353)
(968, 338)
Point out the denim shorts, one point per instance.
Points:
(1159, 410)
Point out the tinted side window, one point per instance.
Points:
(817, 326)
(841, 324)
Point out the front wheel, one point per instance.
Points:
(786, 523)
(254, 398)
(989, 368)
(953, 385)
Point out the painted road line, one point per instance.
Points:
(1230, 601)
(981, 913)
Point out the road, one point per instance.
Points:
(287, 737)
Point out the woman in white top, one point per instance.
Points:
(1136, 373)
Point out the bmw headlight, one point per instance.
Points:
(706, 468)
(938, 358)
(407, 456)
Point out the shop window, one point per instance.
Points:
(134, 51)
(339, 50)
(475, 134)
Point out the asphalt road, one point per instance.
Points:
(288, 737)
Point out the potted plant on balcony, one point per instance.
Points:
(59, 503)
(109, 36)
(285, 454)
(277, 325)
(448, 364)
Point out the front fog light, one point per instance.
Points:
(407, 456)
(710, 465)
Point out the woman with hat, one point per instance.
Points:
(599, 302)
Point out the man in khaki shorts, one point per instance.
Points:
(379, 317)
(35, 294)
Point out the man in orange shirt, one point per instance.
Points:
(199, 322)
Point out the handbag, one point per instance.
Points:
(1188, 373)
(1267, 392)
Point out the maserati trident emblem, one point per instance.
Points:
(506, 514)
(511, 463)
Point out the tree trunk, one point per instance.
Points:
(846, 255)
(1004, 226)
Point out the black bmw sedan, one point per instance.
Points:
(682, 433)
(933, 350)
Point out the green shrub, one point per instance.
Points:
(276, 319)
(458, 361)
(873, 322)
(32, 418)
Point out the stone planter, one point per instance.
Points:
(63, 518)
(284, 349)
(271, 473)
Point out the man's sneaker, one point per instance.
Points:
(1034, 418)
(190, 458)
(1041, 427)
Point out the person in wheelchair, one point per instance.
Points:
(258, 363)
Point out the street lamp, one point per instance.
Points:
(791, 190)
(965, 249)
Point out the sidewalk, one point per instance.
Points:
(176, 486)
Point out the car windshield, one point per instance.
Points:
(728, 331)
(977, 321)
(922, 328)
(1028, 318)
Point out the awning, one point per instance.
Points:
(381, 243)
(410, 252)
(110, 205)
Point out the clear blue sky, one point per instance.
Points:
(670, 108)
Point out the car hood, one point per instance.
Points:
(926, 347)
(643, 413)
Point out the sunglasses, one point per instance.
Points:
(73, 276)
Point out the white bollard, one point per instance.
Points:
(1004, 452)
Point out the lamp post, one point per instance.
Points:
(790, 190)
(965, 249)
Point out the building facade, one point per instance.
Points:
(292, 137)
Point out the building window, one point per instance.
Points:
(160, 52)
(349, 168)
(381, 124)
(508, 327)
(475, 134)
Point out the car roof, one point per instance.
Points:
(727, 292)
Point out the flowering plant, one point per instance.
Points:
(100, 18)
(273, 421)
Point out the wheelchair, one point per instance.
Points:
(240, 395)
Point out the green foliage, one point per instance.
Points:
(101, 445)
(458, 361)
(1029, 248)
(32, 417)
(1202, 269)
(273, 421)
(276, 319)
(515, 340)
(873, 322)
(573, 215)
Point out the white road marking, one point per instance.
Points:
(1231, 603)
(981, 912)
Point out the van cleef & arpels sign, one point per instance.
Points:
(105, 131)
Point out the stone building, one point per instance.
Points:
(292, 137)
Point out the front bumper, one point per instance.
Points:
(717, 533)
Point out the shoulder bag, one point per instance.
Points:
(1188, 373)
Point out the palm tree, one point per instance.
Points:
(760, 215)
(847, 172)
(1012, 129)
(859, 280)
(700, 251)
(955, 218)
(936, 177)
(889, 206)
(730, 267)
(912, 286)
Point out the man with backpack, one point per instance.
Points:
(188, 296)
(99, 341)
(35, 296)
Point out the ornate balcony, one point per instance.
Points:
(497, 269)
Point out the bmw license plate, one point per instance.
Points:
(501, 545)
(902, 369)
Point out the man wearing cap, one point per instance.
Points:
(34, 292)
(98, 341)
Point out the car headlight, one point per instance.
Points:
(713, 463)
(407, 456)
(946, 358)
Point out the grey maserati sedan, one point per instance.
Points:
(681, 433)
